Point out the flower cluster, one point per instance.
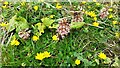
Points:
(103, 13)
(24, 34)
(77, 16)
(64, 27)
(91, 13)
(41, 56)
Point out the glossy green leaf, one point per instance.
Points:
(75, 25)
(47, 21)
(19, 23)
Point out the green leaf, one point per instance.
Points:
(54, 26)
(47, 21)
(19, 23)
(116, 63)
(41, 28)
(75, 25)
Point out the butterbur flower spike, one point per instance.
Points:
(77, 16)
(103, 13)
(24, 33)
(64, 28)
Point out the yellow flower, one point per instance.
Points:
(6, 3)
(58, 6)
(22, 3)
(4, 6)
(54, 37)
(15, 42)
(77, 61)
(102, 55)
(83, 2)
(51, 16)
(97, 4)
(46, 54)
(3, 24)
(110, 16)
(92, 14)
(96, 24)
(35, 8)
(117, 34)
(40, 56)
(35, 38)
(114, 22)
(110, 9)
(95, 18)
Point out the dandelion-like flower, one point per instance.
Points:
(110, 16)
(96, 24)
(102, 55)
(15, 42)
(35, 38)
(35, 8)
(114, 22)
(5, 3)
(46, 54)
(40, 56)
(77, 61)
(3, 24)
(58, 6)
(55, 37)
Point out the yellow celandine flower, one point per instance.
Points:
(15, 42)
(6, 3)
(92, 14)
(83, 2)
(35, 8)
(110, 9)
(51, 16)
(4, 6)
(58, 6)
(97, 4)
(3, 24)
(55, 37)
(77, 61)
(102, 56)
(40, 56)
(46, 54)
(35, 38)
(22, 3)
(117, 34)
(96, 24)
(114, 22)
(95, 18)
(110, 16)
